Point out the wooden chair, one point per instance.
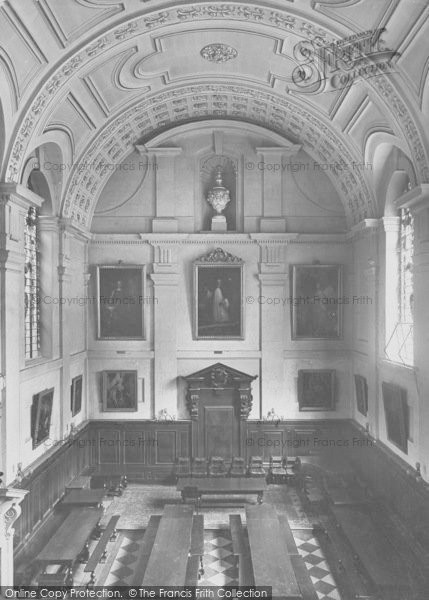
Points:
(238, 467)
(217, 467)
(293, 468)
(199, 467)
(256, 468)
(277, 472)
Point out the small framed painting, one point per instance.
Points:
(316, 305)
(119, 391)
(396, 414)
(41, 412)
(316, 389)
(218, 302)
(121, 297)
(76, 395)
(361, 388)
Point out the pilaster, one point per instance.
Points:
(275, 328)
(270, 166)
(165, 281)
(163, 163)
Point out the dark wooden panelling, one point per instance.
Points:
(110, 447)
(135, 444)
(165, 447)
(46, 484)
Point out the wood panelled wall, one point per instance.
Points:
(148, 450)
(47, 482)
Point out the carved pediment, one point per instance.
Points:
(220, 377)
(219, 256)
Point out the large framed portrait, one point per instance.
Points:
(41, 411)
(218, 304)
(119, 391)
(361, 388)
(316, 389)
(396, 414)
(120, 294)
(316, 302)
(76, 395)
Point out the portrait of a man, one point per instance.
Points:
(119, 390)
(41, 411)
(120, 293)
(76, 395)
(316, 302)
(316, 389)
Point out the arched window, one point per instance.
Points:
(32, 285)
(399, 289)
(406, 293)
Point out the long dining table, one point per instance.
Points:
(168, 560)
(271, 561)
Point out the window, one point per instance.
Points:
(400, 345)
(31, 285)
(406, 251)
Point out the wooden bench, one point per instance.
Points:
(146, 549)
(374, 556)
(241, 550)
(287, 534)
(192, 571)
(302, 576)
(78, 483)
(195, 567)
(99, 553)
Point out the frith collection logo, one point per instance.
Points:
(324, 68)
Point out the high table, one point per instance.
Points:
(69, 540)
(169, 556)
(270, 558)
(222, 486)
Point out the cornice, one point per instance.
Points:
(208, 239)
(416, 199)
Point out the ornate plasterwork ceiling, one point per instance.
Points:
(183, 104)
(245, 73)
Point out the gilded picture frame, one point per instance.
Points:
(120, 302)
(317, 302)
(218, 297)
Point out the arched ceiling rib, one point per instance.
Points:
(248, 104)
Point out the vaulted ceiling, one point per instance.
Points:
(83, 81)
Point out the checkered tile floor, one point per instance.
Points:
(220, 567)
(316, 564)
(122, 568)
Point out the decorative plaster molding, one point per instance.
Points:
(154, 20)
(218, 53)
(282, 116)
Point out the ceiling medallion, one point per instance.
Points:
(218, 53)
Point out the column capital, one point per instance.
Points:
(273, 279)
(169, 278)
(365, 227)
(391, 224)
(18, 194)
